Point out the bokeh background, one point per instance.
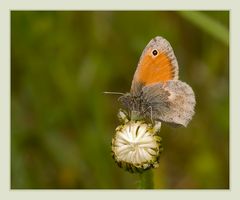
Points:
(62, 123)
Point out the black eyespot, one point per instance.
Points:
(155, 52)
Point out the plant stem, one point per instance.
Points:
(146, 180)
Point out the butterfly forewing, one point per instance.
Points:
(157, 64)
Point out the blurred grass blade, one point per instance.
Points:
(207, 24)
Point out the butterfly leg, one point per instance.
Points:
(149, 108)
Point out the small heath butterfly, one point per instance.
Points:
(156, 93)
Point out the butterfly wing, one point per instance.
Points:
(157, 64)
(172, 102)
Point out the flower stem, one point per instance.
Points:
(146, 180)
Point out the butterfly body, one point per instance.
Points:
(156, 93)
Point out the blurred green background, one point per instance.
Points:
(62, 123)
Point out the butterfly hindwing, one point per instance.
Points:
(172, 102)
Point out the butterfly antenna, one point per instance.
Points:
(117, 93)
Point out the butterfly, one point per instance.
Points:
(156, 92)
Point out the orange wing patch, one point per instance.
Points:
(155, 69)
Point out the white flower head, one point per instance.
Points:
(136, 145)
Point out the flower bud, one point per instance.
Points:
(136, 145)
